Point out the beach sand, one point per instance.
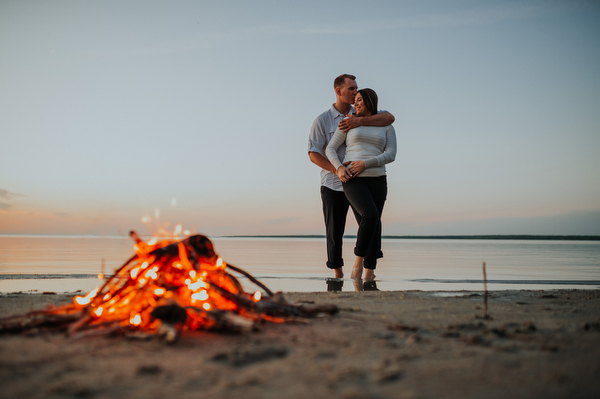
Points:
(399, 344)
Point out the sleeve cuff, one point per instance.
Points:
(371, 163)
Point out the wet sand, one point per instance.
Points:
(382, 344)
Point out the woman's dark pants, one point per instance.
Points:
(367, 196)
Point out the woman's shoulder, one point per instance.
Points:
(377, 128)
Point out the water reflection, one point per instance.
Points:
(297, 265)
(336, 284)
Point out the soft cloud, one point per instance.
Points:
(62, 214)
(5, 206)
(7, 195)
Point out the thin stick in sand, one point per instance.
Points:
(485, 293)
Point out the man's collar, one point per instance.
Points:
(336, 113)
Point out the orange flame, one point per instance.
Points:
(168, 272)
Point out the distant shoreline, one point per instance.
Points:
(446, 237)
(391, 237)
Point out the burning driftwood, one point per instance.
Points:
(165, 287)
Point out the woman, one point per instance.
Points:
(368, 149)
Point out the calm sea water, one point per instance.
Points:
(67, 264)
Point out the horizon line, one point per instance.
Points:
(568, 237)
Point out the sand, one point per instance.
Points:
(538, 344)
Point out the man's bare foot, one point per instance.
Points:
(357, 270)
(339, 273)
(369, 275)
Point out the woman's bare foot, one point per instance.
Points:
(357, 270)
(339, 273)
(369, 274)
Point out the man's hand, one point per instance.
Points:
(344, 174)
(350, 123)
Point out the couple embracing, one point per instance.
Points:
(351, 142)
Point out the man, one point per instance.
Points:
(335, 204)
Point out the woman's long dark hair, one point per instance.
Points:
(369, 99)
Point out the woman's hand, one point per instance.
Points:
(344, 174)
(356, 167)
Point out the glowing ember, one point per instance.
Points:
(84, 300)
(136, 320)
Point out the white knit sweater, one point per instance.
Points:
(374, 145)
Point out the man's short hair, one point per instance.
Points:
(341, 80)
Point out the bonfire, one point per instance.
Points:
(168, 286)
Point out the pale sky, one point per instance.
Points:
(110, 110)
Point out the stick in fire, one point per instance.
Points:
(166, 287)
